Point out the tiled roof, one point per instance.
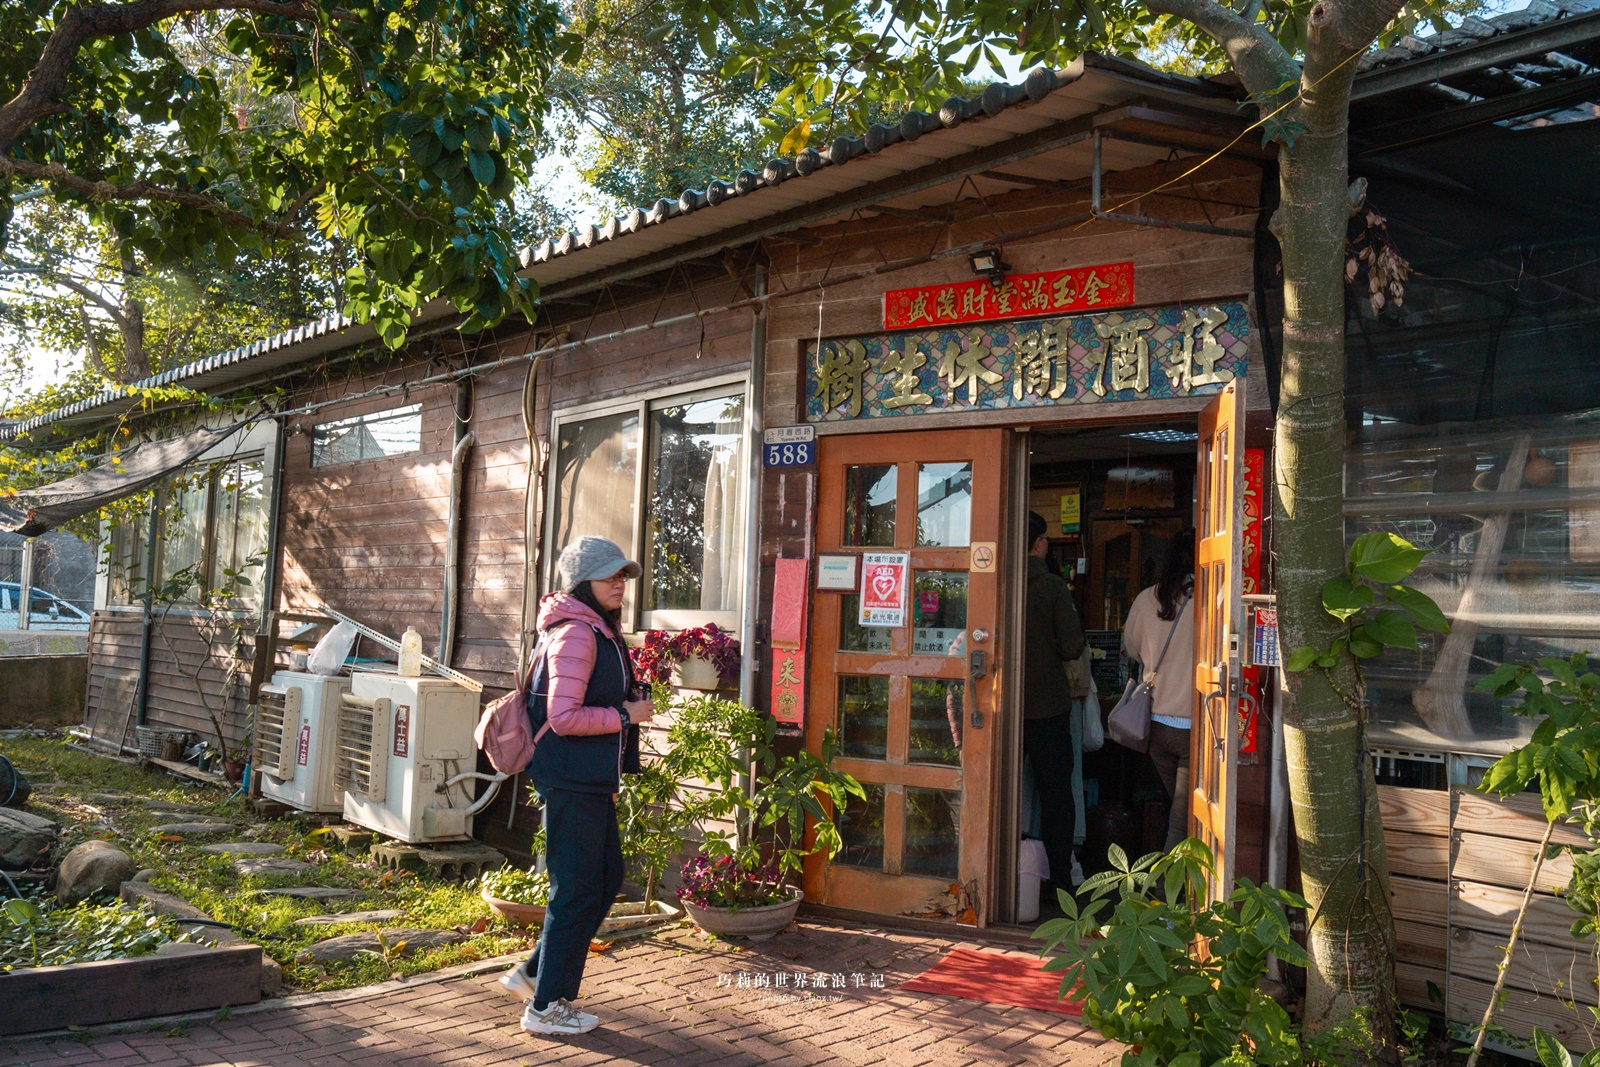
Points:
(1474, 30)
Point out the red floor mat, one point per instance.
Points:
(996, 979)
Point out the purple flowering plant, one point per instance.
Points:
(653, 661)
(724, 883)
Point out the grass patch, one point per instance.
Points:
(95, 797)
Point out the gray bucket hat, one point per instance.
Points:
(589, 558)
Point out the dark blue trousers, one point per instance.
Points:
(583, 854)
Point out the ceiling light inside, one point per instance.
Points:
(1165, 437)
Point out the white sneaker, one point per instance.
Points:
(1077, 876)
(559, 1018)
(517, 982)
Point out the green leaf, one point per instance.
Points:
(1384, 557)
(1390, 627)
(1551, 1052)
(1342, 598)
(1300, 659)
(482, 164)
(1363, 646)
(1421, 607)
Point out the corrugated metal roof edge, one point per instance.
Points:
(995, 98)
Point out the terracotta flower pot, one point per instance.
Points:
(233, 770)
(758, 924)
(518, 915)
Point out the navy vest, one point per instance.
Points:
(582, 764)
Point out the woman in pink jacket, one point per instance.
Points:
(585, 690)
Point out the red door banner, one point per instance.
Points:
(790, 595)
(1250, 691)
(1107, 285)
(789, 685)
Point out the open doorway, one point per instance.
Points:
(1113, 500)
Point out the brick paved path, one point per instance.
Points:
(676, 999)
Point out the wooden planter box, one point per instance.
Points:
(84, 994)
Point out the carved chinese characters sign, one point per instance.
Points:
(1109, 285)
(1149, 353)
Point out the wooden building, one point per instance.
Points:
(1056, 297)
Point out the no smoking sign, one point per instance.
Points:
(984, 557)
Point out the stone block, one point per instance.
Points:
(24, 837)
(346, 947)
(93, 867)
(353, 838)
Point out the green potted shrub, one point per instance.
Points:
(517, 896)
(747, 889)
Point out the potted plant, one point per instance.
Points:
(517, 896)
(745, 890)
(701, 657)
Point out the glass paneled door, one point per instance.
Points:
(911, 694)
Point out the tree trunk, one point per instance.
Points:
(1331, 786)
(135, 364)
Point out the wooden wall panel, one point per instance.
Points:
(1492, 909)
(1419, 943)
(1567, 972)
(1520, 817)
(1413, 982)
(186, 656)
(1507, 862)
(1417, 811)
(1416, 900)
(1521, 1011)
(1418, 855)
(368, 538)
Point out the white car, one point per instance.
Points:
(46, 611)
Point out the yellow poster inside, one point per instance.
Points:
(1071, 511)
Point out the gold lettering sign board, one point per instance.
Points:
(1140, 354)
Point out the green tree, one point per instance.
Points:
(395, 127)
(649, 112)
(70, 285)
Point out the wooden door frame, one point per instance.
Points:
(978, 772)
(1219, 490)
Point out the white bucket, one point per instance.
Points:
(1033, 866)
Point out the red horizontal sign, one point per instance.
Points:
(1107, 285)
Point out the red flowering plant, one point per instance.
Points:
(653, 661)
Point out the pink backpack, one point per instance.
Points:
(505, 731)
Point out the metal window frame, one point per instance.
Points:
(642, 404)
(403, 410)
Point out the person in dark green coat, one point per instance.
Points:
(1054, 640)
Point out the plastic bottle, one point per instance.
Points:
(410, 653)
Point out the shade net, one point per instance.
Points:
(36, 510)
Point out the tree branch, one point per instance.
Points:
(40, 95)
(1260, 61)
(141, 190)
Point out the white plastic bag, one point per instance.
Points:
(331, 652)
(1094, 732)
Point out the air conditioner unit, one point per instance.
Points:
(400, 740)
(296, 740)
